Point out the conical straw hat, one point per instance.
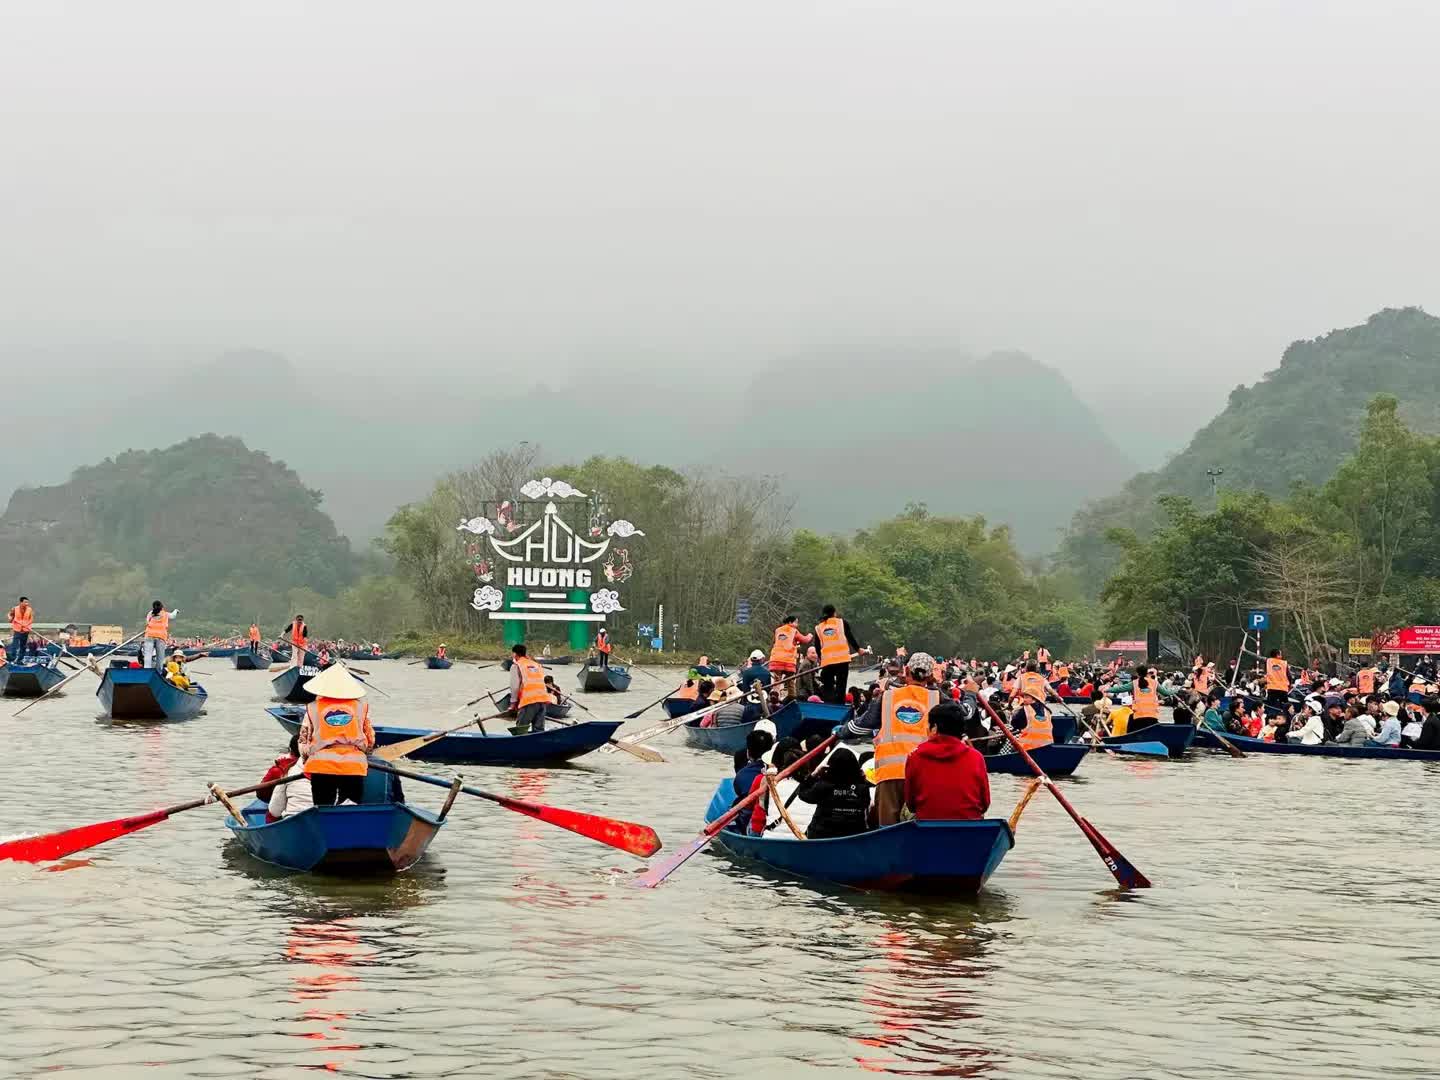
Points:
(336, 682)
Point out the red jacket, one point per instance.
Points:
(945, 779)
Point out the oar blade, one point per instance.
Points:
(660, 871)
(1126, 874)
(58, 845)
(628, 836)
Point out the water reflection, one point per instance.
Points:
(325, 958)
(288, 893)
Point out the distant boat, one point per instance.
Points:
(554, 710)
(28, 680)
(145, 694)
(494, 746)
(437, 663)
(598, 680)
(544, 661)
(1207, 738)
(289, 685)
(1056, 759)
(794, 719)
(245, 660)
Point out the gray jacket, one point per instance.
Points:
(1354, 733)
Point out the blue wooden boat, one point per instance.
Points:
(1175, 737)
(678, 707)
(795, 719)
(496, 746)
(437, 663)
(1057, 759)
(372, 838)
(1207, 738)
(28, 680)
(598, 680)
(554, 710)
(143, 694)
(946, 857)
(245, 660)
(289, 685)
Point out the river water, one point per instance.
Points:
(1292, 930)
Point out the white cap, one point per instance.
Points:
(757, 655)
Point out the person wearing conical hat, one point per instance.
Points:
(335, 736)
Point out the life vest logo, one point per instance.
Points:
(336, 718)
(909, 714)
(829, 631)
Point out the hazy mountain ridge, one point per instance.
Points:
(1295, 425)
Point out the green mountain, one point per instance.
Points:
(1295, 426)
(208, 525)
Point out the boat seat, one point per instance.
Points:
(379, 787)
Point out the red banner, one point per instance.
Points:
(1414, 639)
(1121, 646)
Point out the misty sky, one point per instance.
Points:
(1148, 196)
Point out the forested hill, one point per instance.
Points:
(220, 530)
(1296, 425)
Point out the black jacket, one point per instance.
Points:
(840, 809)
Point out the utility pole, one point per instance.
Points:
(1215, 475)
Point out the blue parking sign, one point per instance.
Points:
(1257, 620)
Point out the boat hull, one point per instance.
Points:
(597, 680)
(376, 838)
(143, 694)
(678, 707)
(497, 747)
(1328, 750)
(554, 710)
(290, 684)
(28, 680)
(437, 663)
(946, 857)
(794, 719)
(248, 661)
(1056, 759)
(1176, 738)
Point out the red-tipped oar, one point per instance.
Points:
(656, 874)
(626, 836)
(58, 845)
(1125, 873)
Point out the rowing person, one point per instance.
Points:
(336, 736)
(785, 651)
(298, 634)
(528, 693)
(22, 618)
(157, 633)
(897, 719)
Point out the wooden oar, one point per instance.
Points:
(782, 807)
(73, 674)
(1125, 873)
(1030, 790)
(656, 874)
(62, 653)
(396, 751)
(627, 836)
(663, 697)
(58, 845)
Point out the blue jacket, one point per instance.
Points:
(744, 780)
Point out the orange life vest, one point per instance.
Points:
(1042, 655)
(1062, 671)
(1365, 680)
(1202, 682)
(440, 652)
(1033, 684)
(532, 682)
(1037, 730)
(688, 692)
(834, 649)
(1145, 703)
(784, 651)
(1276, 674)
(904, 712)
(602, 642)
(255, 633)
(157, 627)
(340, 737)
(297, 634)
(22, 618)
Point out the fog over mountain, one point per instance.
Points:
(634, 228)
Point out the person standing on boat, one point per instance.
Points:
(1277, 682)
(157, 633)
(528, 692)
(785, 652)
(254, 638)
(898, 719)
(335, 737)
(440, 651)
(837, 644)
(299, 635)
(603, 647)
(22, 618)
